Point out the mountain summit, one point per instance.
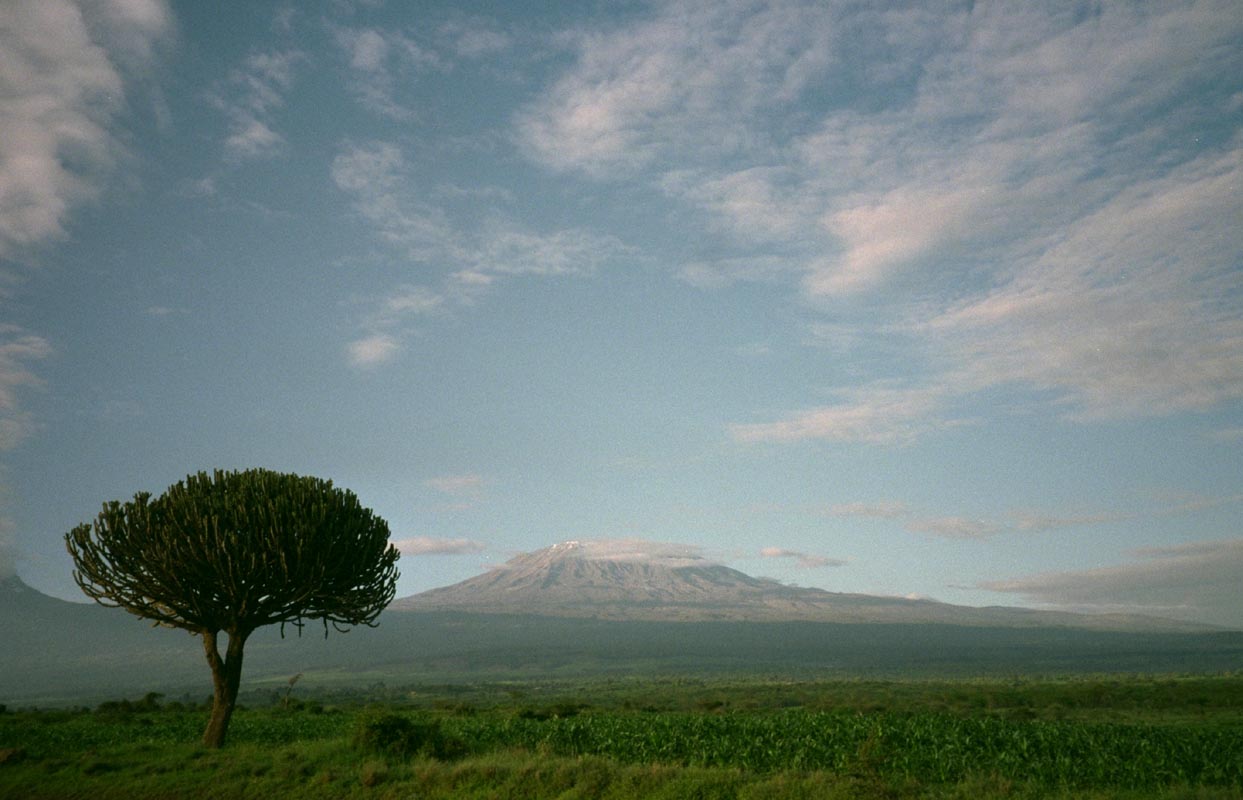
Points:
(620, 579)
(639, 580)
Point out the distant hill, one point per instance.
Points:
(566, 616)
(55, 647)
(583, 579)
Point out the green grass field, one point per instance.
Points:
(1090, 737)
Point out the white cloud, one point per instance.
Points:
(1058, 170)
(376, 177)
(380, 61)
(429, 546)
(456, 484)
(877, 415)
(412, 300)
(17, 350)
(651, 93)
(249, 137)
(1196, 581)
(373, 350)
(63, 69)
(804, 560)
(503, 250)
(1127, 315)
(255, 91)
(471, 257)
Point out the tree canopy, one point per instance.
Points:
(235, 551)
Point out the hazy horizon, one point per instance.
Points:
(942, 303)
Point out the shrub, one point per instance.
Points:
(404, 736)
(373, 773)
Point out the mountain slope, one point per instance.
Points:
(56, 652)
(578, 579)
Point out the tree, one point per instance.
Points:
(234, 551)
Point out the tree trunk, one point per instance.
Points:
(226, 676)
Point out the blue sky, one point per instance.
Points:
(917, 300)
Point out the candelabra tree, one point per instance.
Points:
(231, 552)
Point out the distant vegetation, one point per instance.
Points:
(1101, 737)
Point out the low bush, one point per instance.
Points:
(404, 736)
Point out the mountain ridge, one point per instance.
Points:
(604, 581)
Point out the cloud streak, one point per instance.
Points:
(1023, 521)
(803, 560)
(1197, 581)
(874, 415)
(456, 484)
(429, 546)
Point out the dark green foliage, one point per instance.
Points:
(232, 552)
(935, 748)
(403, 736)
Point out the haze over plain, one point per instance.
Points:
(946, 302)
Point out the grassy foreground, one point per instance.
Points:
(1106, 738)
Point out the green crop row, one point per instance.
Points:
(927, 747)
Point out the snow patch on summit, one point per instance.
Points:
(639, 551)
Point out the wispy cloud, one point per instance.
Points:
(886, 510)
(469, 483)
(1053, 167)
(804, 560)
(380, 61)
(1125, 316)
(475, 37)
(472, 256)
(1033, 522)
(373, 350)
(877, 415)
(429, 546)
(647, 94)
(253, 93)
(955, 527)
(1198, 581)
(17, 349)
(65, 67)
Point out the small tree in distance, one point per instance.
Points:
(235, 551)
